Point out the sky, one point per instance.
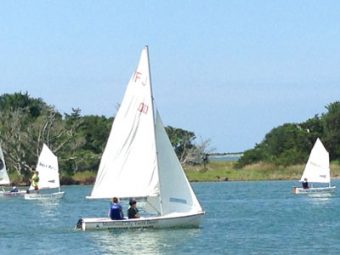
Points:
(229, 71)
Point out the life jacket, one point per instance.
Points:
(116, 212)
(35, 180)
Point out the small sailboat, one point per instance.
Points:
(48, 177)
(4, 179)
(317, 171)
(139, 162)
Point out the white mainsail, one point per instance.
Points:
(4, 178)
(317, 167)
(139, 160)
(128, 167)
(48, 169)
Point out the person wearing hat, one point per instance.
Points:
(133, 211)
(116, 211)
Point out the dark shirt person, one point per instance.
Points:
(305, 184)
(116, 211)
(14, 189)
(133, 211)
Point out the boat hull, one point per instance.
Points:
(38, 196)
(20, 193)
(318, 190)
(182, 221)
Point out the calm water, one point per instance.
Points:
(241, 218)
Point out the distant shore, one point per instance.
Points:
(217, 171)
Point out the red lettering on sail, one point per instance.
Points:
(137, 76)
(143, 108)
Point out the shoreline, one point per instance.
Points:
(224, 171)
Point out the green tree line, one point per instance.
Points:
(291, 143)
(27, 123)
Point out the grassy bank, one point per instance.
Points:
(226, 171)
(215, 171)
(223, 171)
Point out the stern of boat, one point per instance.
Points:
(294, 190)
(79, 225)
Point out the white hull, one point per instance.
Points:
(174, 220)
(319, 190)
(20, 193)
(38, 196)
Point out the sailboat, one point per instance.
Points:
(139, 162)
(48, 177)
(317, 171)
(4, 178)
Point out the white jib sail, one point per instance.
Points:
(4, 178)
(317, 167)
(176, 192)
(48, 169)
(128, 167)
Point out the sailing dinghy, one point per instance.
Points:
(48, 177)
(139, 162)
(317, 171)
(4, 178)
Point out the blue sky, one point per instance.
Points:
(229, 71)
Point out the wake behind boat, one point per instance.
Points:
(48, 177)
(317, 171)
(139, 162)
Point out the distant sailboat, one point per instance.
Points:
(48, 177)
(139, 162)
(4, 178)
(317, 171)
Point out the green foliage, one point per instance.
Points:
(290, 144)
(181, 140)
(78, 141)
(331, 122)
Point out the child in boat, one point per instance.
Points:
(35, 181)
(305, 184)
(14, 189)
(133, 211)
(116, 211)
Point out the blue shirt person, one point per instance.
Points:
(116, 210)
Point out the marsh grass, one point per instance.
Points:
(223, 171)
(214, 171)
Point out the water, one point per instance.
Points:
(241, 218)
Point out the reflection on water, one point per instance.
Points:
(142, 241)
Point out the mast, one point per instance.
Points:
(154, 126)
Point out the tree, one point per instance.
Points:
(26, 124)
(331, 122)
(182, 141)
(291, 143)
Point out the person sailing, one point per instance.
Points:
(116, 211)
(133, 211)
(35, 181)
(305, 184)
